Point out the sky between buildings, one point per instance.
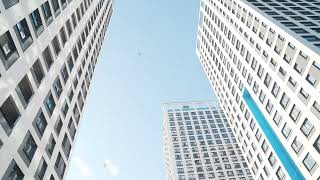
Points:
(148, 58)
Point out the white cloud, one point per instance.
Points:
(111, 168)
(85, 170)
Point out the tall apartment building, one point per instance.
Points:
(48, 52)
(262, 58)
(199, 143)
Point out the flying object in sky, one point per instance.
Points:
(139, 53)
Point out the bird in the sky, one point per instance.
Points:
(139, 53)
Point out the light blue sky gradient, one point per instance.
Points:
(123, 116)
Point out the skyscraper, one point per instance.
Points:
(199, 143)
(262, 58)
(48, 52)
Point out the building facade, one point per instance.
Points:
(263, 61)
(200, 144)
(48, 52)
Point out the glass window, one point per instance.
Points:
(66, 145)
(304, 93)
(8, 50)
(75, 82)
(292, 82)
(311, 79)
(25, 91)
(262, 96)
(13, 172)
(40, 124)
(277, 118)
(9, 114)
(273, 62)
(269, 106)
(309, 162)
(50, 146)
(63, 36)
(69, 28)
(78, 14)
(82, 8)
(72, 128)
(280, 174)
(76, 113)
(79, 43)
(80, 100)
(65, 108)
(47, 12)
(317, 144)
(284, 101)
(28, 148)
(37, 72)
(275, 89)
(60, 166)
(306, 127)
(58, 126)
(311, 38)
(316, 64)
(70, 95)
(298, 68)
(63, 3)
(316, 109)
(295, 113)
(84, 89)
(56, 45)
(56, 7)
(267, 80)
(282, 71)
(23, 34)
(74, 20)
(296, 145)
(286, 130)
(260, 71)
(265, 146)
(57, 87)
(36, 21)
(64, 74)
(70, 63)
(50, 103)
(47, 57)
(9, 3)
(75, 53)
(41, 170)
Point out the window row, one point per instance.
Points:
(9, 53)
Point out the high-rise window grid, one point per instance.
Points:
(33, 56)
(200, 144)
(224, 31)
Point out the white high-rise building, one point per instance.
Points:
(262, 58)
(199, 143)
(48, 54)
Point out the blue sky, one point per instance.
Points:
(123, 117)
